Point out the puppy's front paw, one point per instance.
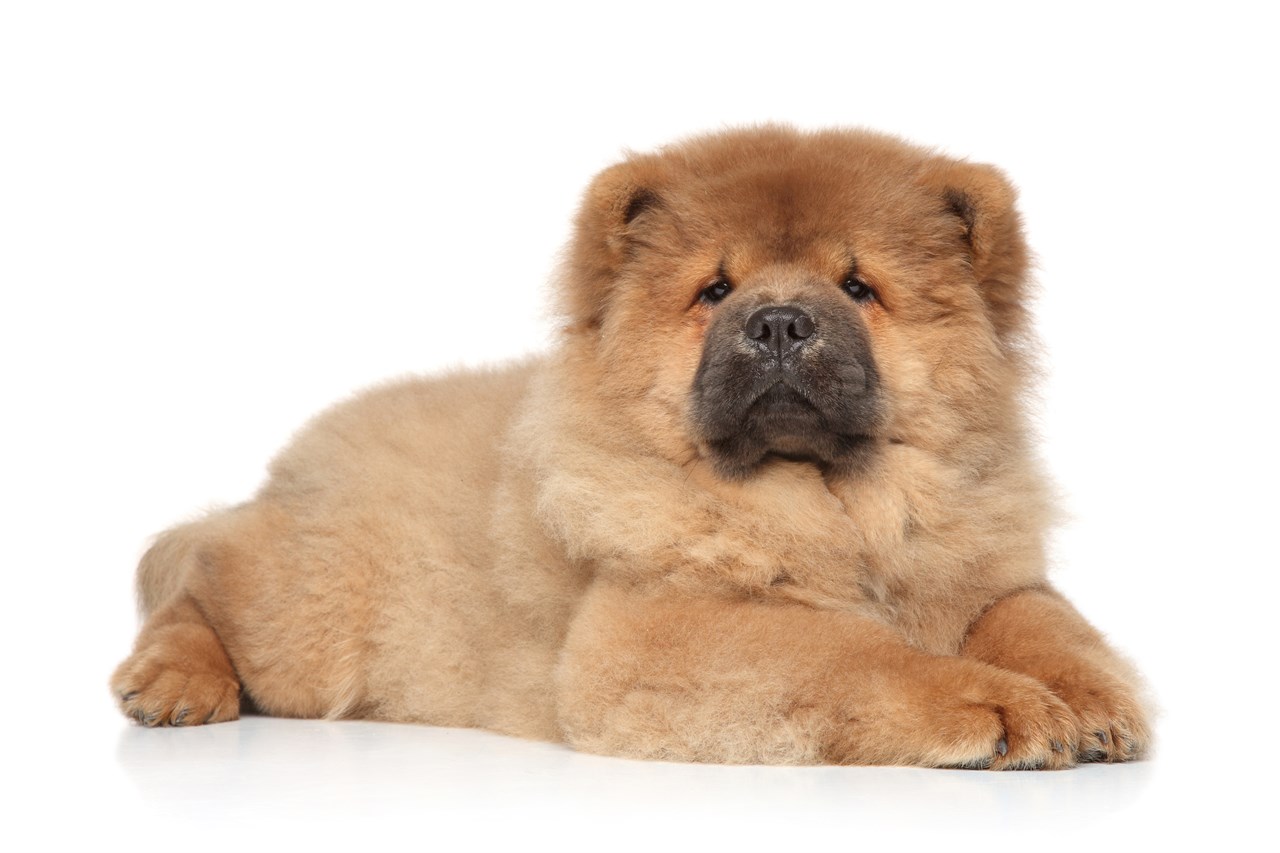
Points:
(1113, 722)
(164, 684)
(1038, 633)
(1012, 724)
(954, 712)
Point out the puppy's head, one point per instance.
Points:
(767, 294)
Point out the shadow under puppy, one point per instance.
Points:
(770, 498)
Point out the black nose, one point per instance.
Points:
(780, 329)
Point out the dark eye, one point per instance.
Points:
(716, 291)
(858, 289)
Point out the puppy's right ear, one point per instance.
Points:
(613, 210)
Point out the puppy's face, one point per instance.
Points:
(768, 294)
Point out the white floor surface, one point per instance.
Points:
(272, 784)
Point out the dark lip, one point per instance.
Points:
(784, 391)
(784, 401)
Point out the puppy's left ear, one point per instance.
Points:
(983, 200)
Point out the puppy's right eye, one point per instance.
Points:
(716, 291)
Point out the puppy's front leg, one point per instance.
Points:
(1038, 633)
(670, 676)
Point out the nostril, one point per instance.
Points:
(801, 327)
(758, 329)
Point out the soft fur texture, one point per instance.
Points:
(584, 547)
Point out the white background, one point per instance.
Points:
(217, 219)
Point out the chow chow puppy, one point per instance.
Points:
(769, 498)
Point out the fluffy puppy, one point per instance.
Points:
(769, 499)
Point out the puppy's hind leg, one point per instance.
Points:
(179, 673)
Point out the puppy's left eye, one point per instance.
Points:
(858, 289)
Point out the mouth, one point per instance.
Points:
(783, 405)
(784, 423)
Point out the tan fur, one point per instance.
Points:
(545, 549)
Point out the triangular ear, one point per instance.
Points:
(983, 200)
(613, 209)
